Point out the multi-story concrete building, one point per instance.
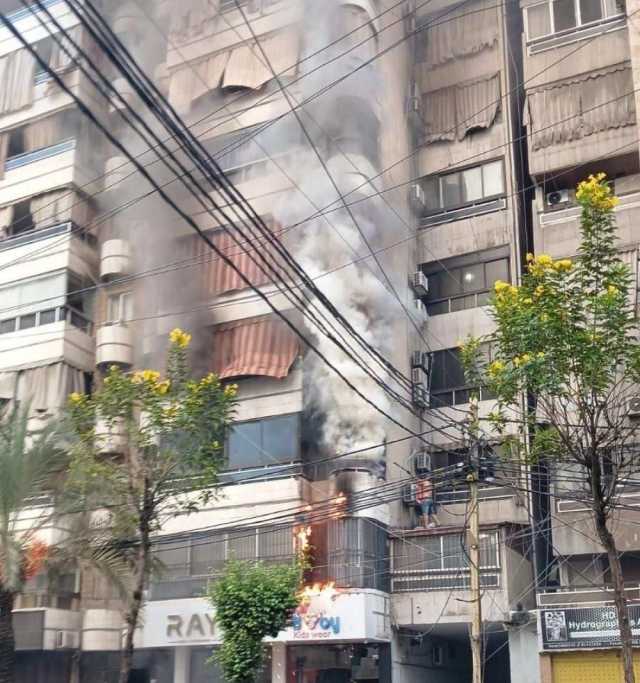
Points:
(454, 134)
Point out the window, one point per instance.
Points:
(120, 307)
(465, 282)
(22, 218)
(260, 443)
(441, 562)
(464, 188)
(44, 48)
(448, 384)
(188, 562)
(558, 16)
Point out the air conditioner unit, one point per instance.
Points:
(419, 388)
(66, 640)
(558, 198)
(420, 359)
(633, 406)
(419, 283)
(409, 494)
(422, 462)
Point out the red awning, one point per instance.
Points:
(263, 346)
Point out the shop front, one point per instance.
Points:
(580, 644)
(335, 637)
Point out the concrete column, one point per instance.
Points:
(633, 24)
(278, 663)
(546, 669)
(181, 661)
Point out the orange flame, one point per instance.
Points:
(316, 593)
(35, 555)
(339, 504)
(302, 536)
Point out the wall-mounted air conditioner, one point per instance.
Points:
(419, 359)
(557, 198)
(422, 461)
(419, 388)
(409, 494)
(419, 283)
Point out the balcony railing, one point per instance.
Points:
(38, 234)
(583, 595)
(46, 317)
(38, 154)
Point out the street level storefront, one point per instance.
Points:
(581, 644)
(337, 636)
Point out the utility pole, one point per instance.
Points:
(474, 548)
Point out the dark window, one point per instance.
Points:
(27, 321)
(469, 186)
(260, 443)
(465, 282)
(448, 383)
(22, 218)
(564, 14)
(7, 326)
(16, 142)
(48, 316)
(44, 49)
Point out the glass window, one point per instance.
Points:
(7, 325)
(174, 558)
(493, 179)
(497, 270)
(472, 184)
(451, 194)
(280, 438)
(27, 321)
(208, 555)
(590, 10)
(47, 317)
(473, 278)
(538, 21)
(564, 15)
(264, 442)
(244, 445)
(120, 307)
(614, 7)
(464, 187)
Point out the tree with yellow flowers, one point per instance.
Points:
(171, 429)
(567, 338)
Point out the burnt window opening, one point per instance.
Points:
(449, 385)
(22, 219)
(17, 143)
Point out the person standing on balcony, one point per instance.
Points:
(425, 497)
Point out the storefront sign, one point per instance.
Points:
(178, 622)
(585, 627)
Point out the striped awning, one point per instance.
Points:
(263, 346)
(219, 278)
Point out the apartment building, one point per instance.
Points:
(455, 151)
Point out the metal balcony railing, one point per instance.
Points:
(583, 595)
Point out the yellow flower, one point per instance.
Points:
(525, 358)
(141, 376)
(163, 387)
(231, 390)
(527, 301)
(544, 260)
(180, 338)
(538, 291)
(496, 368)
(612, 289)
(530, 257)
(563, 265)
(500, 286)
(595, 193)
(544, 317)
(76, 398)
(540, 354)
(517, 361)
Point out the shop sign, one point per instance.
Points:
(585, 627)
(178, 622)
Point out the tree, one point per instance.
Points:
(252, 601)
(30, 465)
(567, 337)
(172, 430)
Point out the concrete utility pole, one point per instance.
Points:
(474, 549)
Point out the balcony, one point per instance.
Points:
(32, 173)
(115, 259)
(114, 344)
(558, 231)
(584, 596)
(54, 334)
(430, 577)
(46, 629)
